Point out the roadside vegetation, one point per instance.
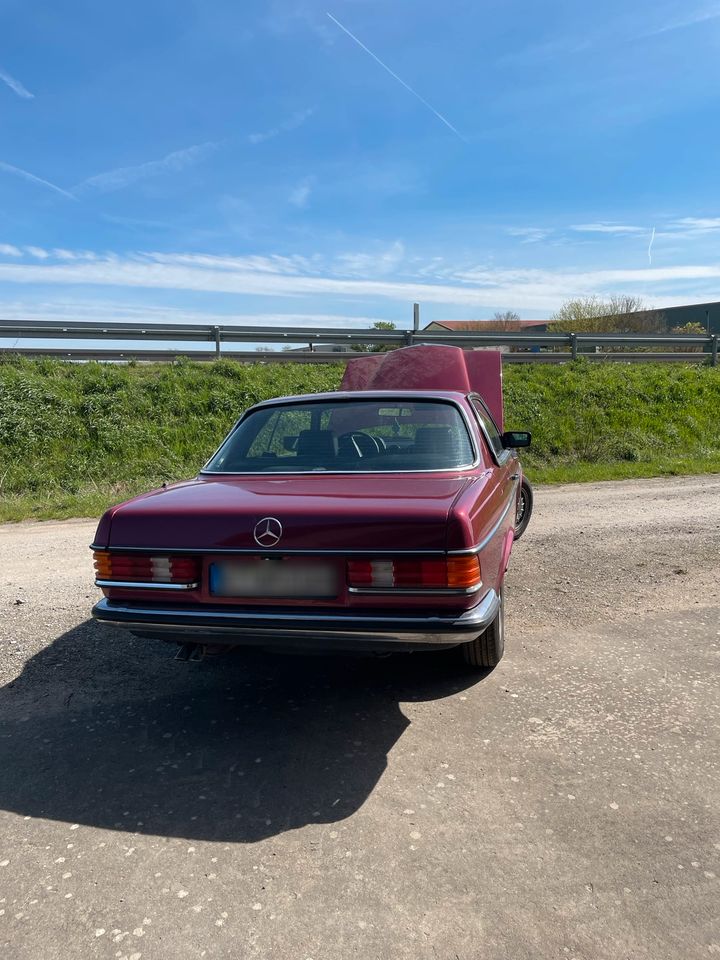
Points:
(622, 315)
(75, 438)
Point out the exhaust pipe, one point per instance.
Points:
(190, 652)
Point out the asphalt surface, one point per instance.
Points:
(565, 805)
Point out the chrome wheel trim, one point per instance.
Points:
(501, 620)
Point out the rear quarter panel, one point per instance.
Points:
(484, 514)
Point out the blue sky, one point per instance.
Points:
(266, 162)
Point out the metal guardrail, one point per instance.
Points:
(137, 335)
(324, 356)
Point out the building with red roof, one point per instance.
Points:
(489, 326)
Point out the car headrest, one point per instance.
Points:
(317, 444)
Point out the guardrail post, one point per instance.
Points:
(714, 351)
(216, 331)
(573, 345)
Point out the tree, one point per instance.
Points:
(505, 320)
(619, 314)
(377, 347)
(691, 329)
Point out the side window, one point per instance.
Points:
(491, 430)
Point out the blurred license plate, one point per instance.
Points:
(273, 577)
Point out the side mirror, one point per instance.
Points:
(515, 438)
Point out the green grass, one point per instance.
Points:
(595, 421)
(76, 438)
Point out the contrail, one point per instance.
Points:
(124, 176)
(16, 86)
(9, 168)
(399, 79)
(650, 246)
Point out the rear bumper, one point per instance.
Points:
(325, 630)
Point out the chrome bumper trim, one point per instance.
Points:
(419, 591)
(232, 626)
(144, 585)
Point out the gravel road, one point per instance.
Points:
(565, 805)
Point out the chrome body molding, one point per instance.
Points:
(277, 626)
(499, 459)
(149, 585)
(279, 552)
(419, 591)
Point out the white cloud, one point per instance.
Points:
(137, 223)
(122, 177)
(8, 250)
(295, 121)
(301, 194)
(255, 264)
(367, 277)
(283, 17)
(16, 86)
(696, 225)
(529, 234)
(368, 264)
(121, 312)
(701, 15)
(38, 253)
(679, 228)
(61, 254)
(610, 228)
(31, 178)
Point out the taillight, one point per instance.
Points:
(460, 573)
(143, 569)
(463, 571)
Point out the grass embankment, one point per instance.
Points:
(76, 438)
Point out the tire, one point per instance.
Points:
(485, 651)
(524, 508)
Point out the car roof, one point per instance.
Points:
(453, 396)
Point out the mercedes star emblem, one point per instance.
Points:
(268, 532)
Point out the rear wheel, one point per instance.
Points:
(485, 651)
(524, 508)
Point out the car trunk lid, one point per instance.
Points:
(398, 513)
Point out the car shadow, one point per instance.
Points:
(105, 730)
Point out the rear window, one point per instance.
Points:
(375, 436)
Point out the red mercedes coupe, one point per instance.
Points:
(378, 517)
